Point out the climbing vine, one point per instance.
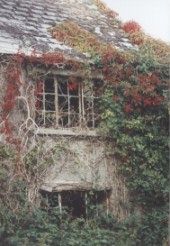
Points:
(134, 115)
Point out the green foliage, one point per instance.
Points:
(38, 227)
(141, 143)
(5, 152)
(48, 227)
(135, 116)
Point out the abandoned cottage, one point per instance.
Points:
(46, 50)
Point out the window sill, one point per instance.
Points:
(73, 186)
(68, 132)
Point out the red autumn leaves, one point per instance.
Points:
(135, 32)
(11, 93)
(143, 94)
(38, 93)
(131, 27)
(72, 86)
(13, 81)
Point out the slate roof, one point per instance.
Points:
(24, 24)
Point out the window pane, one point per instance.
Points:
(49, 102)
(88, 90)
(73, 88)
(62, 86)
(88, 104)
(50, 119)
(74, 120)
(91, 108)
(63, 120)
(89, 120)
(63, 104)
(49, 85)
(74, 105)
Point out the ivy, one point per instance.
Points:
(135, 115)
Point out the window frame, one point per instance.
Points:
(82, 123)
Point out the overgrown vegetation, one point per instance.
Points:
(135, 115)
(140, 135)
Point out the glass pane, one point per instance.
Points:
(89, 120)
(63, 121)
(93, 122)
(88, 105)
(74, 120)
(49, 102)
(88, 89)
(62, 86)
(49, 85)
(73, 88)
(74, 105)
(50, 119)
(63, 104)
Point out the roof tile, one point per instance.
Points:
(26, 22)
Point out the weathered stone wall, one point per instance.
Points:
(80, 162)
(86, 163)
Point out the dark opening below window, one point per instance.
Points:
(76, 203)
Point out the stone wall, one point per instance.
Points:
(86, 163)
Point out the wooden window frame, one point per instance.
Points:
(82, 111)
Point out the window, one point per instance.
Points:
(67, 103)
(77, 203)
